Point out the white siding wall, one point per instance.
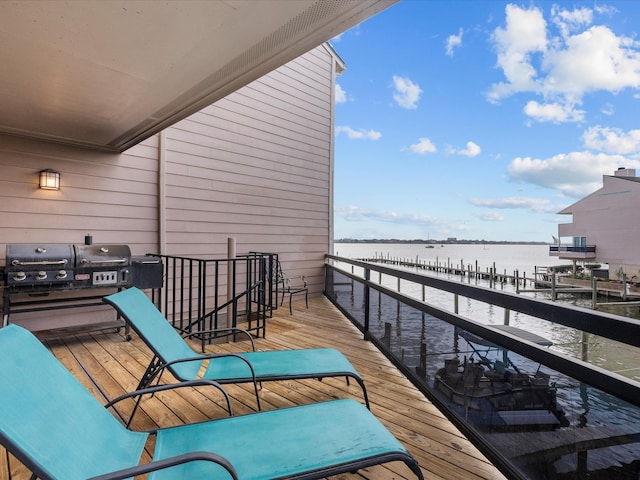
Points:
(112, 197)
(255, 166)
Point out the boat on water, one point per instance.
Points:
(489, 391)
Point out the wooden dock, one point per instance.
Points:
(541, 282)
(471, 271)
(109, 366)
(587, 446)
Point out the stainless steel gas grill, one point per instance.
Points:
(41, 277)
(43, 268)
(102, 265)
(38, 266)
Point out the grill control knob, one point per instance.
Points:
(62, 274)
(20, 276)
(41, 275)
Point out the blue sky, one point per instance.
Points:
(482, 119)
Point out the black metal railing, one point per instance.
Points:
(572, 249)
(273, 279)
(599, 409)
(204, 294)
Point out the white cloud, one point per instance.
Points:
(489, 217)
(341, 95)
(406, 94)
(593, 60)
(369, 223)
(527, 203)
(570, 21)
(575, 174)
(525, 34)
(357, 214)
(562, 68)
(472, 150)
(608, 109)
(605, 9)
(553, 112)
(423, 146)
(612, 140)
(360, 134)
(453, 41)
(356, 31)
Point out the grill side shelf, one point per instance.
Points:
(14, 303)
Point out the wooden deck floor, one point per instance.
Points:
(109, 366)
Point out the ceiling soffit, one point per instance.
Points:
(108, 74)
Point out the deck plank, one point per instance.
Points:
(108, 366)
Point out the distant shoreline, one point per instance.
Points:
(439, 242)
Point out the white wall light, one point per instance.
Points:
(49, 179)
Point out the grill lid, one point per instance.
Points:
(92, 256)
(36, 256)
(31, 264)
(45, 266)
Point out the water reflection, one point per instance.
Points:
(611, 355)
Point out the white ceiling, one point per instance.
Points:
(107, 74)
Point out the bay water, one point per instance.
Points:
(506, 259)
(585, 407)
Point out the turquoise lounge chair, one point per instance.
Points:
(174, 354)
(58, 430)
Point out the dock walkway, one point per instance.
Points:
(540, 282)
(470, 271)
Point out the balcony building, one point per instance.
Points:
(178, 143)
(174, 128)
(604, 227)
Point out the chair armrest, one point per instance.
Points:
(159, 369)
(171, 386)
(231, 331)
(297, 287)
(209, 356)
(170, 462)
